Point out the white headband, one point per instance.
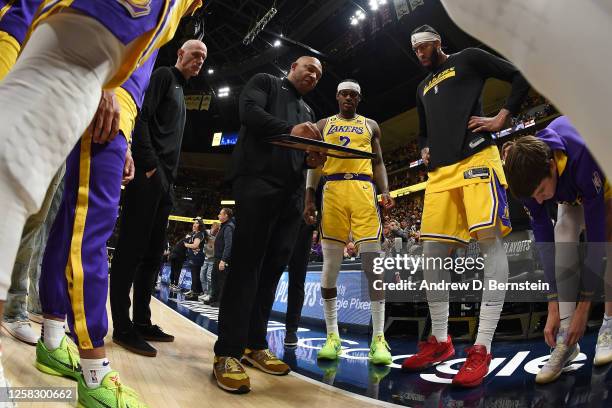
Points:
(419, 38)
(348, 85)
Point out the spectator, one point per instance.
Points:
(223, 253)
(195, 254)
(209, 261)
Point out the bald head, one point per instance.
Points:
(191, 57)
(305, 74)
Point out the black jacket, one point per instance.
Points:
(158, 132)
(223, 241)
(270, 106)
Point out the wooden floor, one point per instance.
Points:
(180, 375)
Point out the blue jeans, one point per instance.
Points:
(205, 276)
(26, 271)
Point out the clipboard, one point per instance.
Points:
(330, 149)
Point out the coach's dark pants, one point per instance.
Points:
(147, 203)
(297, 276)
(267, 222)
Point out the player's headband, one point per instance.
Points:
(349, 86)
(418, 38)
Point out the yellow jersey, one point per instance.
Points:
(354, 133)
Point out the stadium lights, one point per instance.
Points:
(277, 43)
(211, 71)
(223, 92)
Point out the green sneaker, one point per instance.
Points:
(110, 394)
(331, 349)
(380, 352)
(63, 361)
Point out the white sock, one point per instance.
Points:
(437, 300)
(607, 321)
(94, 370)
(377, 308)
(52, 333)
(330, 308)
(495, 268)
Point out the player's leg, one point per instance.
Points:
(334, 235)
(366, 228)
(488, 219)
(36, 142)
(443, 227)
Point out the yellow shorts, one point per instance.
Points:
(466, 197)
(9, 50)
(129, 111)
(350, 207)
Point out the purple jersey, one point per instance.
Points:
(581, 181)
(127, 20)
(137, 83)
(16, 18)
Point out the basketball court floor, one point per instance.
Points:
(180, 375)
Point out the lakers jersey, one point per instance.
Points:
(354, 133)
(141, 25)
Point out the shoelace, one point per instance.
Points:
(606, 338)
(232, 365)
(269, 354)
(73, 355)
(423, 344)
(381, 339)
(557, 353)
(122, 391)
(475, 358)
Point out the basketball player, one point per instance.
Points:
(349, 207)
(556, 165)
(75, 269)
(465, 196)
(90, 45)
(534, 35)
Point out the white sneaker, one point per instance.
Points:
(561, 355)
(22, 331)
(603, 349)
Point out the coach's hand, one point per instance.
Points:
(128, 168)
(308, 130)
(221, 266)
(105, 124)
(552, 324)
(578, 324)
(425, 155)
(483, 124)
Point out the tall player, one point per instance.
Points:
(349, 207)
(88, 46)
(74, 271)
(556, 165)
(465, 195)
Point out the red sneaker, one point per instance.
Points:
(475, 368)
(430, 352)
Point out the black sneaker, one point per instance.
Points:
(134, 342)
(193, 296)
(291, 339)
(153, 333)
